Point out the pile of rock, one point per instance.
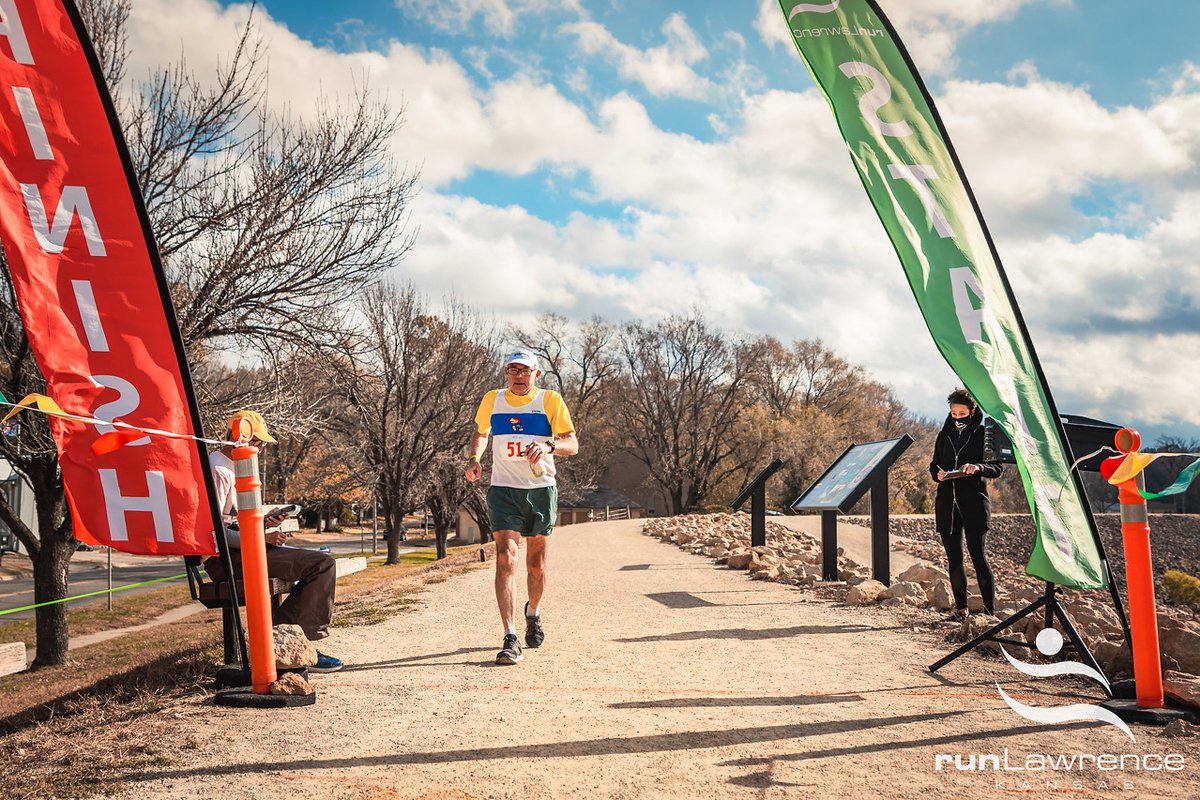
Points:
(1174, 541)
(795, 558)
(787, 557)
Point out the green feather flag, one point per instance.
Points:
(903, 155)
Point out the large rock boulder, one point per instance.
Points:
(864, 593)
(1182, 687)
(907, 592)
(806, 575)
(1116, 659)
(1180, 644)
(766, 572)
(940, 596)
(293, 650)
(1180, 729)
(739, 560)
(291, 683)
(923, 574)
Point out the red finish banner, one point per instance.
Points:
(92, 292)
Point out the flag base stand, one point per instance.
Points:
(244, 697)
(1054, 610)
(235, 675)
(234, 690)
(1127, 709)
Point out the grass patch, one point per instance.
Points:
(90, 727)
(127, 611)
(364, 616)
(93, 746)
(382, 608)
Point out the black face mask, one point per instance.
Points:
(960, 424)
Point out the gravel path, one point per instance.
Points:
(662, 676)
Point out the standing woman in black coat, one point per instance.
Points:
(962, 507)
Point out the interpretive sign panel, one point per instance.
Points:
(854, 472)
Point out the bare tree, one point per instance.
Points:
(683, 404)
(105, 21)
(32, 456)
(284, 387)
(449, 493)
(817, 404)
(410, 388)
(265, 222)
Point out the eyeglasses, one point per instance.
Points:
(518, 371)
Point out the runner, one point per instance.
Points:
(529, 427)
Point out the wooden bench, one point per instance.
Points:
(215, 594)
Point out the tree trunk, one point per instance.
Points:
(50, 583)
(441, 532)
(393, 545)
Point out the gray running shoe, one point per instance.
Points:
(534, 635)
(510, 653)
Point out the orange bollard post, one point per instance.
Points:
(1139, 577)
(260, 635)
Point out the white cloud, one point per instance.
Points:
(499, 17)
(665, 70)
(771, 25)
(1143, 380)
(1027, 149)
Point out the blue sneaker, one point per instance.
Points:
(326, 663)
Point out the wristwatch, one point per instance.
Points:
(551, 445)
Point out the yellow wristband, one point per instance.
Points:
(473, 457)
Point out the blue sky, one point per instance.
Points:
(637, 159)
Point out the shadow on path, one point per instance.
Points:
(738, 702)
(745, 634)
(659, 743)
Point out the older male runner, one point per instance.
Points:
(529, 427)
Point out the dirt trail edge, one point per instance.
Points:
(662, 676)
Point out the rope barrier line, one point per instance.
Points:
(1189, 473)
(93, 594)
(45, 405)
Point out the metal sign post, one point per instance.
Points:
(756, 492)
(859, 469)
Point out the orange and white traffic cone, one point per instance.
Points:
(1139, 575)
(260, 634)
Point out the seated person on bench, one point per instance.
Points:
(310, 604)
